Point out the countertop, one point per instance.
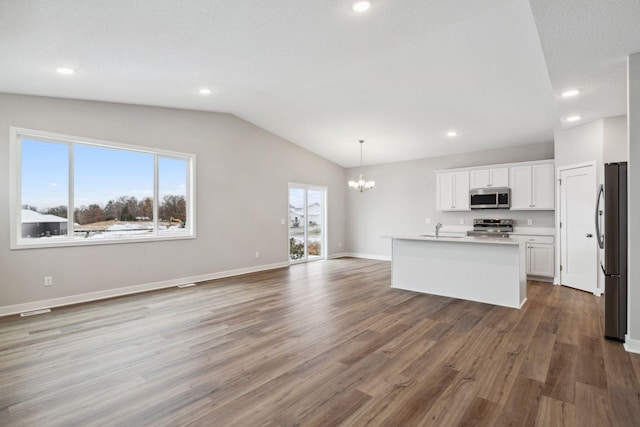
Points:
(462, 239)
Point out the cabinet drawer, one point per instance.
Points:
(534, 239)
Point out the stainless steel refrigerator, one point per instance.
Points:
(611, 229)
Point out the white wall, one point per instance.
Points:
(603, 140)
(242, 177)
(615, 140)
(405, 194)
(579, 144)
(633, 343)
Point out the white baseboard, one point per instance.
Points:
(110, 293)
(339, 255)
(632, 346)
(368, 256)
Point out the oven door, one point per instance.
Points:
(483, 200)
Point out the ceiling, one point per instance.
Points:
(319, 74)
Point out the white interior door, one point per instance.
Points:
(578, 246)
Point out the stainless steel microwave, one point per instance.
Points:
(490, 198)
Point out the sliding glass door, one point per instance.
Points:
(307, 219)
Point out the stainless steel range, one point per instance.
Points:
(491, 228)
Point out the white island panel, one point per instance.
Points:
(489, 271)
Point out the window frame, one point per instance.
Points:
(15, 191)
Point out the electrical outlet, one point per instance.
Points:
(257, 254)
(461, 221)
(427, 220)
(282, 221)
(339, 244)
(529, 221)
(48, 280)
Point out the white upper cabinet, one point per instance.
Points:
(486, 178)
(520, 187)
(532, 187)
(544, 196)
(453, 191)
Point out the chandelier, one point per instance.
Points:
(361, 184)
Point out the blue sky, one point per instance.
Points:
(101, 174)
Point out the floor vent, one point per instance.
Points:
(186, 285)
(34, 312)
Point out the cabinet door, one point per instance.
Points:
(453, 191)
(479, 178)
(461, 191)
(445, 192)
(499, 177)
(543, 186)
(520, 177)
(484, 178)
(540, 260)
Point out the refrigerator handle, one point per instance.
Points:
(598, 234)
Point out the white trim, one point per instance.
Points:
(339, 255)
(366, 256)
(631, 345)
(129, 290)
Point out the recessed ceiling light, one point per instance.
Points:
(205, 91)
(361, 6)
(573, 118)
(452, 133)
(65, 70)
(569, 93)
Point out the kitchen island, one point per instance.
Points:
(483, 269)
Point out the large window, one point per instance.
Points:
(69, 191)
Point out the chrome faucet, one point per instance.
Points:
(438, 227)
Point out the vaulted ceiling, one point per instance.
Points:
(400, 75)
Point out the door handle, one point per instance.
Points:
(588, 235)
(598, 214)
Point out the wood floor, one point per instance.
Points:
(319, 344)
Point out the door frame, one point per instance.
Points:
(325, 231)
(559, 242)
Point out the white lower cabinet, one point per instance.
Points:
(540, 259)
(540, 255)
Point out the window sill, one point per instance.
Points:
(53, 242)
